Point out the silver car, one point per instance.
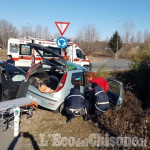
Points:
(60, 75)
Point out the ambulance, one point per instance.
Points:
(24, 56)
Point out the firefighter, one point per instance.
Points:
(75, 104)
(100, 101)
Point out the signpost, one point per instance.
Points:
(62, 41)
(62, 27)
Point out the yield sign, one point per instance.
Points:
(62, 27)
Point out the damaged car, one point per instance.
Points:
(10, 80)
(50, 80)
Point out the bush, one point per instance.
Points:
(139, 76)
(101, 71)
(141, 60)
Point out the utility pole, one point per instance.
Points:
(117, 41)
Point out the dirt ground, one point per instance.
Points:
(129, 121)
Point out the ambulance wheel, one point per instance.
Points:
(87, 67)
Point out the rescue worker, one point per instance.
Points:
(92, 77)
(75, 104)
(10, 60)
(101, 102)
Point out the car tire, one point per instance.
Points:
(59, 109)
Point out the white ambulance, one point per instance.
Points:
(24, 56)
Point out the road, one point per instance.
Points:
(7, 140)
(111, 64)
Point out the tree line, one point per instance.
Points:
(87, 37)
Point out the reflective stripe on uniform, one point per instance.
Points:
(101, 103)
(99, 109)
(99, 92)
(75, 95)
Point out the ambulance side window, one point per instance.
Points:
(77, 79)
(14, 48)
(79, 54)
(25, 49)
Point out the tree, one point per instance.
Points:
(115, 43)
(87, 36)
(7, 30)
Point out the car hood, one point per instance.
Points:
(59, 64)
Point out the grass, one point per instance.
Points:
(131, 120)
(46, 122)
(3, 54)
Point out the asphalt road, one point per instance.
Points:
(7, 140)
(111, 64)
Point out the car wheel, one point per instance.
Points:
(59, 109)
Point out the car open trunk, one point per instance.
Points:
(49, 76)
(48, 72)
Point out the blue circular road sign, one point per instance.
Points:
(61, 42)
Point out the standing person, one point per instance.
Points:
(75, 104)
(92, 77)
(100, 101)
(10, 60)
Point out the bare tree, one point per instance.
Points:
(7, 30)
(128, 30)
(147, 36)
(89, 35)
(46, 33)
(139, 37)
(27, 31)
(38, 31)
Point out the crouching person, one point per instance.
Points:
(75, 104)
(101, 102)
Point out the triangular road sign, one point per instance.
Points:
(62, 27)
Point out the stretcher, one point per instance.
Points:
(13, 109)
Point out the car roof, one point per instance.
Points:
(72, 66)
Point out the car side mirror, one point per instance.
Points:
(84, 57)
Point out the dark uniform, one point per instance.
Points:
(75, 103)
(101, 102)
(11, 61)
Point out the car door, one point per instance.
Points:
(78, 79)
(25, 55)
(12, 77)
(80, 57)
(115, 92)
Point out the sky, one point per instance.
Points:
(106, 15)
